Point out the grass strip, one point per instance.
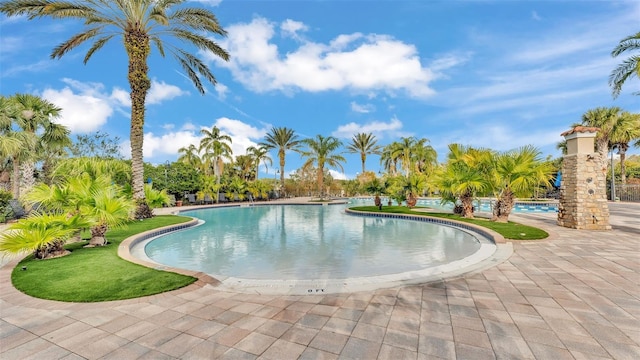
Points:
(98, 274)
(510, 230)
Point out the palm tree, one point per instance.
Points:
(388, 159)
(139, 23)
(96, 199)
(33, 116)
(321, 151)
(216, 147)
(606, 120)
(43, 234)
(629, 68)
(190, 155)
(260, 154)
(424, 157)
(463, 176)
(363, 144)
(516, 173)
(283, 139)
(626, 130)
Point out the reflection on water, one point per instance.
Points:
(307, 242)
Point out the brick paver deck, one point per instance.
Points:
(575, 295)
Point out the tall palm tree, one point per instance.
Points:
(605, 119)
(628, 68)
(139, 23)
(424, 157)
(321, 151)
(388, 158)
(364, 144)
(283, 139)
(190, 155)
(260, 154)
(627, 129)
(215, 147)
(33, 116)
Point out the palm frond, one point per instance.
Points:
(628, 68)
(97, 46)
(74, 42)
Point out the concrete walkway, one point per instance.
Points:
(574, 296)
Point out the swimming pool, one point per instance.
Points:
(484, 205)
(312, 243)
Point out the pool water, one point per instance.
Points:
(307, 242)
(483, 205)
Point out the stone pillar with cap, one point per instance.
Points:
(583, 193)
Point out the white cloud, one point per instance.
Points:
(82, 112)
(391, 129)
(166, 144)
(161, 91)
(222, 90)
(243, 135)
(363, 109)
(290, 28)
(356, 62)
(86, 106)
(121, 97)
(337, 175)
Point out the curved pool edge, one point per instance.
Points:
(125, 247)
(492, 252)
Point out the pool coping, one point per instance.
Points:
(487, 256)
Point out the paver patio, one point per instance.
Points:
(575, 295)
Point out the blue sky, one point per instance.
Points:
(497, 74)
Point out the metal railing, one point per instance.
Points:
(627, 192)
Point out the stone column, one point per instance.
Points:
(583, 193)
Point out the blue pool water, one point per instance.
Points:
(483, 205)
(307, 242)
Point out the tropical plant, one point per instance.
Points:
(259, 189)
(628, 68)
(322, 152)
(215, 148)
(627, 129)
(37, 133)
(156, 198)
(42, 234)
(616, 129)
(244, 167)
(116, 170)
(374, 186)
(283, 139)
(97, 200)
(516, 173)
(260, 154)
(191, 156)
(139, 23)
(364, 144)
(464, 175)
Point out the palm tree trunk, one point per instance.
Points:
(467, 205)
(321, 181)
(137, 45)
(16, 178)
(503, 206)
(281, 156)
(27, 180)
(623, 169)
(363, 158)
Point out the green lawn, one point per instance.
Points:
(510, 230)
(98, 274)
